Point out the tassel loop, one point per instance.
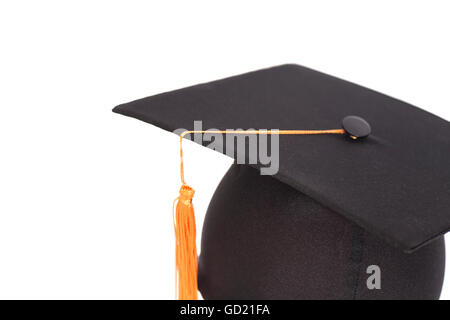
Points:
(186, 194)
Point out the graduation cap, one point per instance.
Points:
(356, 210)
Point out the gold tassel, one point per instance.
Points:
(184, 219)
(186, 248)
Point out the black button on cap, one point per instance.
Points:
(356, 127)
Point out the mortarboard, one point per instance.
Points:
(371, 191)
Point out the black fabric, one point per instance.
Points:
(262, 239)
(395, 183)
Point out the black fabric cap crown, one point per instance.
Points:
(395, 183)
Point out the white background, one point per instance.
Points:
(85, 194)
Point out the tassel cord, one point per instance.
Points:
(184, 218)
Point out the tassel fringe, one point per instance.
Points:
(186, 248)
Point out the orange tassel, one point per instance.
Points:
(186, 248)
(184, 219)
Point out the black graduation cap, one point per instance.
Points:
(393, 185)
